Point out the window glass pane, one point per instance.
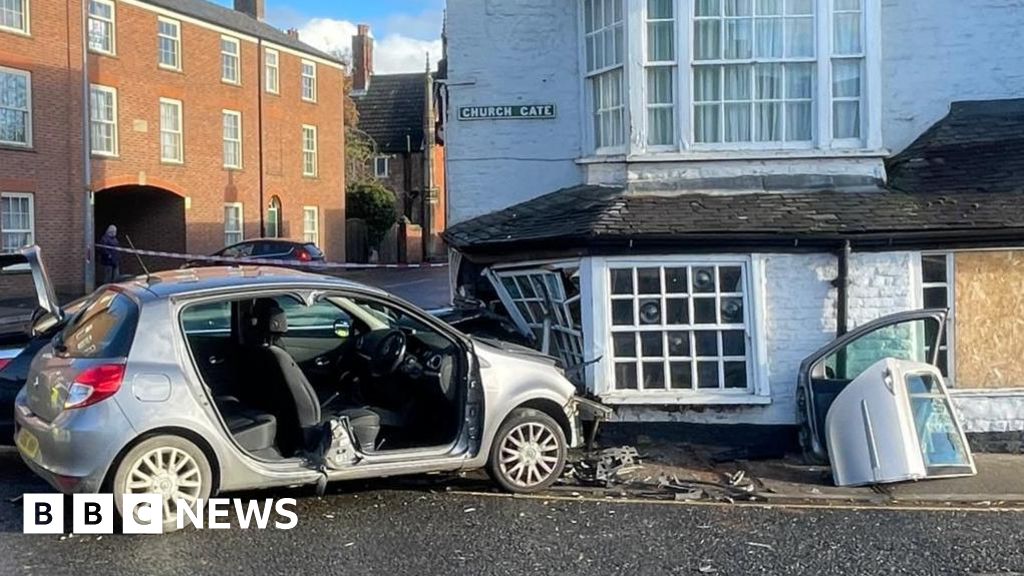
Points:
(903, 341)
(649, 280)
(730, 279)
(735, 374)
(678, 311)
(660, 45)
(678, 343)
(659, 9)
(933, 269)
(704, 280)
(769, 7)
(654, 376)
(660, 85)
(799, 37)
(936, 297)
(706, 343)
(847, 33)
(768, 81)
(707, 374)
(846, 119)
(707, 40)
(707, 84)
(708, 8)
(732, 310)
(799, 121)
(622, 312)
(734, 343)
(738, 39)
(622, 281)
(846, 78)
(707, 124)
(650, 312)
(651, 344)
(675, 280)
(681, 375)
(704, 311)
(625, 376)
(799, 6)
(624, 344)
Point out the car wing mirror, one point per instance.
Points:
(342, 327)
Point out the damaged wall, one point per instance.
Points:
(989, 328)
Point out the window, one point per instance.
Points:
(681, 327)
(232, 139)
(230, 70)
(171, 138)
(311, 224)
(380, 167)
(272, 73)
(907, 340)
(605, 53)
(14, 15)
(233, 222)
(104, 329)
(547, 304)
(103, 111)
(101, 26)
(309, 81)
(169, 43)
(661, 73)
(937, 286)
(274, 218)
(847, 69)
(309, 145)
(323, 319)
(17, 221)
(15, 107)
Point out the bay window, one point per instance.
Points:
(728, 74)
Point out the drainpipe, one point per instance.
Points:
(842, 284)
(429, 199)
(261, 62)
(89, 221)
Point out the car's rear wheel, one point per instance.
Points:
(168, 465)
(528, 453)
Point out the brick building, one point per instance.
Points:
(207, 126)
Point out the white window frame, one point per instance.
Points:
(949, 284)
(236, 142)
(312, 80)
(590, 77)
(31, 230)
(274, 208)
(110, 122)
(596, 288)
(311, 234)
(310, 156)
(112, 22)
(176, 39)
(25, 18)
(180, 132)
(275, 86)
(240, 232)
(28, 111)
(226, 56)
(377, 172)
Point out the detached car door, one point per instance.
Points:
(29, 313)
(914, 336)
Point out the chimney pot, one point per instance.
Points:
(253, 8)
(293, 33)
(362, 58)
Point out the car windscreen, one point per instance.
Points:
(105, 328)
(314, 252)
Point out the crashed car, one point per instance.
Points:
(191, 382)
(874, 405)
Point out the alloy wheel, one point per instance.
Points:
(529, 454)
(170, 472)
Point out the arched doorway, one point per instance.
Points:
(274, 229)
(153, 218)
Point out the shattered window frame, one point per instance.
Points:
(938, 286)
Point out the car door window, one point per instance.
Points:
(321, 320)
(911, 340)
(209, 320)
(239, 251)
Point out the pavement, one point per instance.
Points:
(433, 525)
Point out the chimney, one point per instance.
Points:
(362, 59)
(253, 8)
(293, 33)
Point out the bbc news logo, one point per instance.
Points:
(144, 514)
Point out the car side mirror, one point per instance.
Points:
(342, 327)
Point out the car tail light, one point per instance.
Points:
(303, 255)
(95, 384)
(4, 362)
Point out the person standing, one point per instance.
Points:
(110, 259)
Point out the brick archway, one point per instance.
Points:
(152, 217)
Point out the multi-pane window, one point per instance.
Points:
(230, 69)
(15, 107)
(101, 26)
(753, 77)
(309, 151)
(14, 15)
(311, 224)
(309, 81)
(171, 138)
(232, 125)
(103, 115)
(540, 299)
(661, 72)
(272, 70)
(380, 167)
(169, 43)
(680, 327)
(605, 54)
(274, 218)
(233, 224)
(937, 287)
(847, 68)
(16, 221)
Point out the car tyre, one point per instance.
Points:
(528, 453)
(168, 465)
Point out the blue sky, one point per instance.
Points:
(405, 31)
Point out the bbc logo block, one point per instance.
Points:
(92, 514)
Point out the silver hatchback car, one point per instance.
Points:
(192, 382)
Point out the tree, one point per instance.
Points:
(372, 202)
(360, 149)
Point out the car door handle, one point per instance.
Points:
(214, 360)
(321, 362)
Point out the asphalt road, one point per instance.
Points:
(426, 287)
(402, 527)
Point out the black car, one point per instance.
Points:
(268, 249)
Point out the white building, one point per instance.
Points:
(699, 166)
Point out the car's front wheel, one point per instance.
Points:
(170, 466)
(528, 453)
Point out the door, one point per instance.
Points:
(912, 336)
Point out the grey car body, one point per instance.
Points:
(162, 394)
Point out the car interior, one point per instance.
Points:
(278, 368)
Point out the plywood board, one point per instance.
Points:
(990, 319)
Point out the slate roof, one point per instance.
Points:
(238, 22)
(961, 181)
(391, 109)
(978, 147)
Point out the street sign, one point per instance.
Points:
(508, 112)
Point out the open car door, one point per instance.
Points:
(914, 336)
(27, 290)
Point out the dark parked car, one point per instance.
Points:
(283, 251)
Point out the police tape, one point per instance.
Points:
(269, 262)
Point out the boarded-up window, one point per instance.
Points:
(990, 319)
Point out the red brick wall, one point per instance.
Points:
(52, 170)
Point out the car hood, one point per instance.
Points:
(515, 351)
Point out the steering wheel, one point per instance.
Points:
(387, 354)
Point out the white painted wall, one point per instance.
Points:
(940, 51)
